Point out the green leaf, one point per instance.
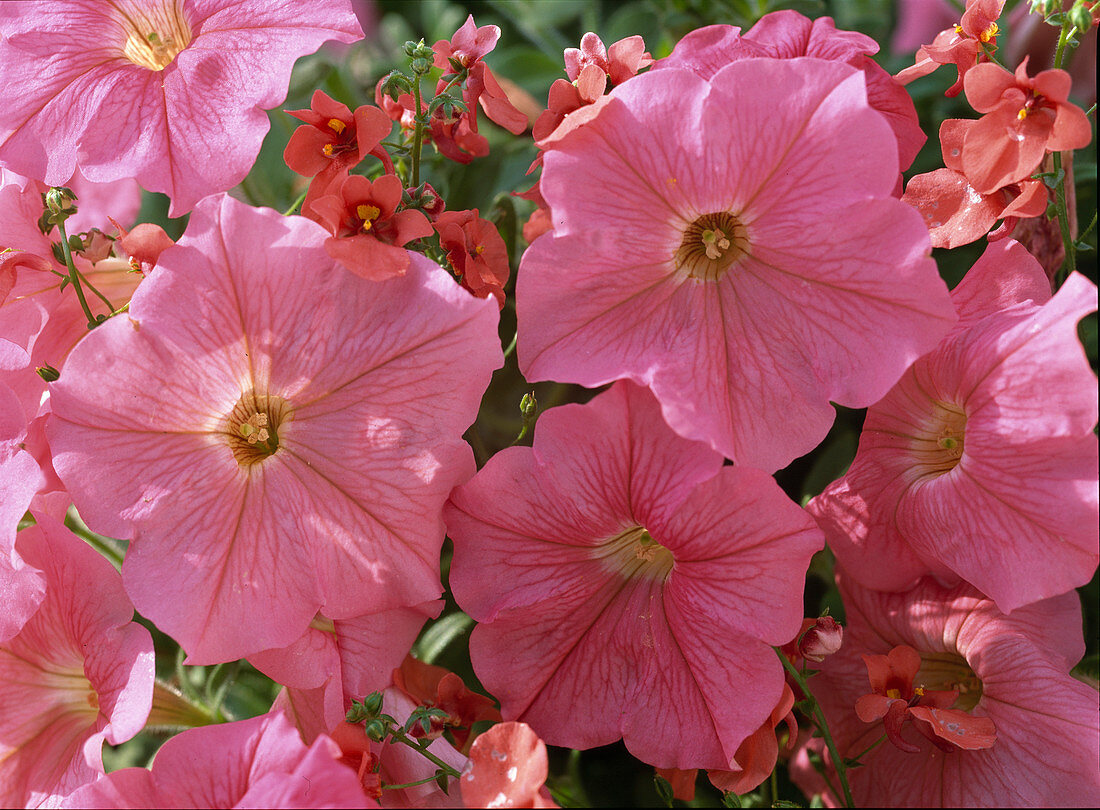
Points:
(731, 799)
(664, 789)
(439, 636)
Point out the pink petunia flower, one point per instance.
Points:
(260, 762)
(275, 436)
(745, 279)
(1009, 672)
(169, 92)
(628, 585)
(981, 462)
(787, 35)
(78, 673)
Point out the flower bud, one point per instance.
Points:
(1081, 18)
(48, 373)
(372, 703)
(421, 66)
(60, 200)
(528, 406)
(376, 730)
(822, 639)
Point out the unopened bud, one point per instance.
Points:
(376, 730)
(423, 51)
(1081, 18)
(821, 640)
(528, 406)
(410, 47)
(421, 66)
(60, 200)
(48, 373)
(372, 703)
(1045, 7)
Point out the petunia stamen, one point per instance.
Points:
(154, 36)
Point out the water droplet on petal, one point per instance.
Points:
(499, 757)
(512, 773)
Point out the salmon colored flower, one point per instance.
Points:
(1025, 117)
(507, 768)
(627, 585)
(295, 427)
(368, 232)
(476, 251)
(963, 45)
(439, 688)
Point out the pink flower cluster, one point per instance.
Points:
(270, 414)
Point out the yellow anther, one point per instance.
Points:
(958, 28)
(479, 249)
(989, 33)
(327, 149)
(336, 126)
(1022, 114)
(367, 213)
(893, 693)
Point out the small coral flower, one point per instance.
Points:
(434, 686)
(894, 699)
(476, 251)
(507, 768)
(1025, 117)
(368, 232)
(963, 45)
(467, 48)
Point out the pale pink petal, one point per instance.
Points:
(188, 129)
(79, 672)
(360, 516)
(260, 762)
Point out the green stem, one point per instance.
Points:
(296, 203)
(822, 725)
(1070, 264)
(511, 346)
(1062, 211)
(396, 735)
(410, 784)
(868, 749)
(74, 276)
(98, 294)
(418, 135)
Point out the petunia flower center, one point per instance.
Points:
(252, 427)
(938, 448)
(634, 554)
(154, 35)
(947, 671)
(712, 244)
